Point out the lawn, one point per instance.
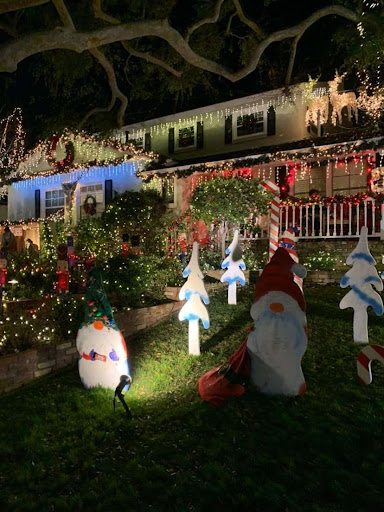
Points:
(64, 449)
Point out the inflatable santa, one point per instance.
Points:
(278, 341)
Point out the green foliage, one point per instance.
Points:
(258, 452)
(322, 260)
(255, 255)
(208, 259)
(94, 238)
(139, 280)
(231, 199)
(142, 213)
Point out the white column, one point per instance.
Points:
(193, 338)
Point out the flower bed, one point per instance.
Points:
(20, 368)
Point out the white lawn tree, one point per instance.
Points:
(195, 294)
(361, 278)
(234, 266)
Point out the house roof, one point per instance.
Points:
(70, 152)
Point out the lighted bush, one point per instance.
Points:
(321, 260)
(140, 280)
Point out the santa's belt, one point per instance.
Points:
(94, 356)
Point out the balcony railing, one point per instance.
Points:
(337, 220)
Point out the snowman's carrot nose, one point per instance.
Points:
(276, 307)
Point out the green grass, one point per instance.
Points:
(64, 449)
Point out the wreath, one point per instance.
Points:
(90, 205)
(60, 165)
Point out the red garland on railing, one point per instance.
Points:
(337, 199)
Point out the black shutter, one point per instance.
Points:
(271, 121)
(378, 160)
(147, 142)
(171, 141)
(126, 137)
(228, 130)
(108, 192)
(199, 135)
(37, 204)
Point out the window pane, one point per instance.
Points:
(186, 137)
(250, 124)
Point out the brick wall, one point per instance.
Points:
(18, 369)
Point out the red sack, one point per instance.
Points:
(229, 379)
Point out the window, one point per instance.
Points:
(90, 195)
(186, 137)
(250, 124)
(54, 201)
(349, 179)
(164, 187)
(313, 178)
(138, 142)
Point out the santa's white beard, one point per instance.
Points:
(276, 346)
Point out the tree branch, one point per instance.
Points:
(99, 13)
(8, 30)
(228, 29)
(14, 52)
(16, 5)
(251, 24)
(291, 62)
(64, 14)
(116, 93)
(150, 58)
(209, 19)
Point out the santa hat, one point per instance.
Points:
(278, 275)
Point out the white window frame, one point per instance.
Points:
(186, 148)
(236, 115)
(43, 200)
(89, 184)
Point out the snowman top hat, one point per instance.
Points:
(278, 275)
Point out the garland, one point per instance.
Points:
(90, 205)
(337, 199)
(61, 165)
(322, 157)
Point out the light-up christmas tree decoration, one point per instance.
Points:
(194, 310)
(235, 266)
(361, 277)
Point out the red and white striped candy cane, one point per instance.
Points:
(275, 216)
(288, 242)
(364, 360)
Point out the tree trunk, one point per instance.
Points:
(193, 338)
(232, 293)
(360, 326)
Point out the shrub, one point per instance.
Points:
(322, 260)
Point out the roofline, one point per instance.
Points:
(212, 107)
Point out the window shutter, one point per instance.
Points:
(171, 141)
(228, 130)
(200, 135)
(108, 192)
(271, 121)
(378, 160)
(126, 137)
(37, 204)
(147, 142)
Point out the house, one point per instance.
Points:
(73, 175)
(308, 140)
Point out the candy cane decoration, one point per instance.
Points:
(288, 242)
(364, 360)
(275, 215)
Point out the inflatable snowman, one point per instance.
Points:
(103, 352)
(279, 338)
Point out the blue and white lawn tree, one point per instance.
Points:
(361, 278)
(234, 266)
(195, 294)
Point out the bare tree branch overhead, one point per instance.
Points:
(106, 29)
